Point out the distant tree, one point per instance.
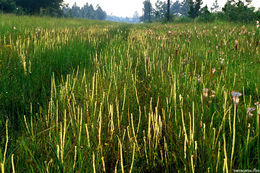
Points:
(205, 15)
(194, 8)
(215, 6)
(75, 10)
(204, 11)
(147, 11)
(176, 7)
(84, 11)
(238, 10)
(135, 17)
(90, 12)
(101, 15)
(35, 6)
(184, 7)
(160, 10)
(87, 11)
(191, 11)
(7, 5)
(179, 8)
(197, 7)
(168, 10)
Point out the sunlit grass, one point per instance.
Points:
(90, 96)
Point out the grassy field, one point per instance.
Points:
(89, 96)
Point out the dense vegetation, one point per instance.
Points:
(85, 96)
(54, 8)
(44, 7)
(188, 10)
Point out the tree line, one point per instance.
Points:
(233, 10)
(87, 11)
(50, 7)
(55, 8)
(166, 10)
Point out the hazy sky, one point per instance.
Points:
(128, 7)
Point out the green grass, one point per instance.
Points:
(89, 96)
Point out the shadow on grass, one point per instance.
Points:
(23, 92)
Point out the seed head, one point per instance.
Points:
(249, 112)
(213, 94)
(236, 44)
(257, 103)
(235, 96)
(222, 61)
(199, 79)
(213, 71)
(205, 92)
(38, 30)
(184, 61)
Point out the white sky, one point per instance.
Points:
(128, 7)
